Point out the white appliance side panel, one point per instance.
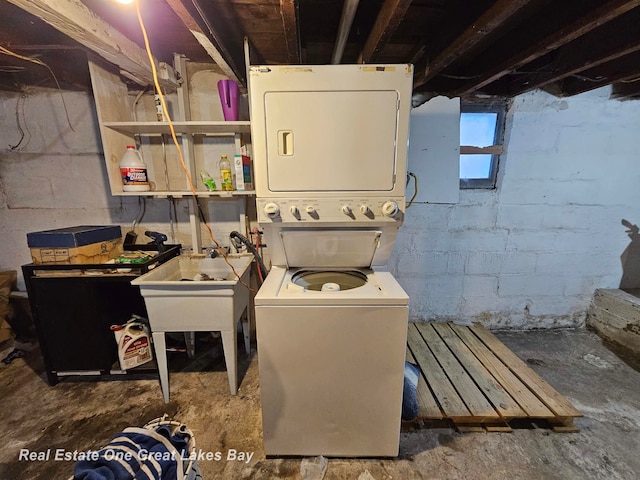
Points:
(331, 140)
(434, 150)
(331, 379)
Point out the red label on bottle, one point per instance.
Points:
(134, 176)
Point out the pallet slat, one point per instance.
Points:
(550, 396)
(474, 399)
(447, 397)
(502, 402)
(531, 404)
(427, 405)
(471, 378)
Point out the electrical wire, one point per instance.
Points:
(143, 207)
(22, 135)
(37, 61)
(415, 183)
(165, 110)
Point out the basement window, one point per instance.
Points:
(481, 137)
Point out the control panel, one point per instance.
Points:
(334, 210)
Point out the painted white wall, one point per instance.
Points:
(528, 254)
(531, 253)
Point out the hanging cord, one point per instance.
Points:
(177, 144)
(22, 135)
(37, 61)
(415, 184)
(142, 202)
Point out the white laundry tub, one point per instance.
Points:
(177, 303)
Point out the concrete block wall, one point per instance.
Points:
(531, 253)
(528, 254)
(55, 177)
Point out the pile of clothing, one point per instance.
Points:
(162, 449)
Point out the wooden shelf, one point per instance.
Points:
(186, 193)
(218, 128)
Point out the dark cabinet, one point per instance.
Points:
(73, 308)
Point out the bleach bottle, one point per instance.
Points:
(133, 171)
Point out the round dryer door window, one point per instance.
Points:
(329, 281)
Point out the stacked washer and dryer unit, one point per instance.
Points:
(330, 152)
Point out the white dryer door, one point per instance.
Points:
(329, 141)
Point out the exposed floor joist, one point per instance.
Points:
(585, 53)
(497, 15)
(201, 36)
(76, 21)
(387, 21)
(588, 22)
(290, 24)
(624, 69)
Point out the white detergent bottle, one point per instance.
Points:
(133, 171)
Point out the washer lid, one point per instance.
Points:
(330, 248)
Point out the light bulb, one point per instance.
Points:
(125, 2)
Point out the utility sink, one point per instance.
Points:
(177, 303)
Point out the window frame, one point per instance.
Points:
(496, 150)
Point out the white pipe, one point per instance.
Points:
(348, 12)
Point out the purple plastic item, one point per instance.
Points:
(228, 90)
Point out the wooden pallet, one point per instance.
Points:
(471, 379)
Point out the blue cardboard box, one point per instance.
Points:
(72, 237)
(80, 244)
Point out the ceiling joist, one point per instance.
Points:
(585, 53)
(387, 21)
(290, 26)
(588, 22)
(202, 38)
(76, 21)
(499, 14)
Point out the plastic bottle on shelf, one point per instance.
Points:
(226, 179)
(209, 182)
(133, 171)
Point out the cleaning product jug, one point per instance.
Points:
(134, 342)
(225, 173)
(133, 171)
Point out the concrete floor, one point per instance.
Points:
(84, 415)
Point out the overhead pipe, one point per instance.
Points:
(348, 13)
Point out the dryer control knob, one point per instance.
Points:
(295, 211)
(365, 210)
(271, 209)
(389, 209)
(346, 209)
(310, 210)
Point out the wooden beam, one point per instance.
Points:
(483, 28)
(591, 20)
(391, 15)
(622, 38)
(492, 149)
(290, 23)
(630, 88)
(203, 39)
(622, 69)
(75, 20)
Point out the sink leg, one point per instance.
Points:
(190, 341)
(160, 347)
(246, 332)
(229, 339)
